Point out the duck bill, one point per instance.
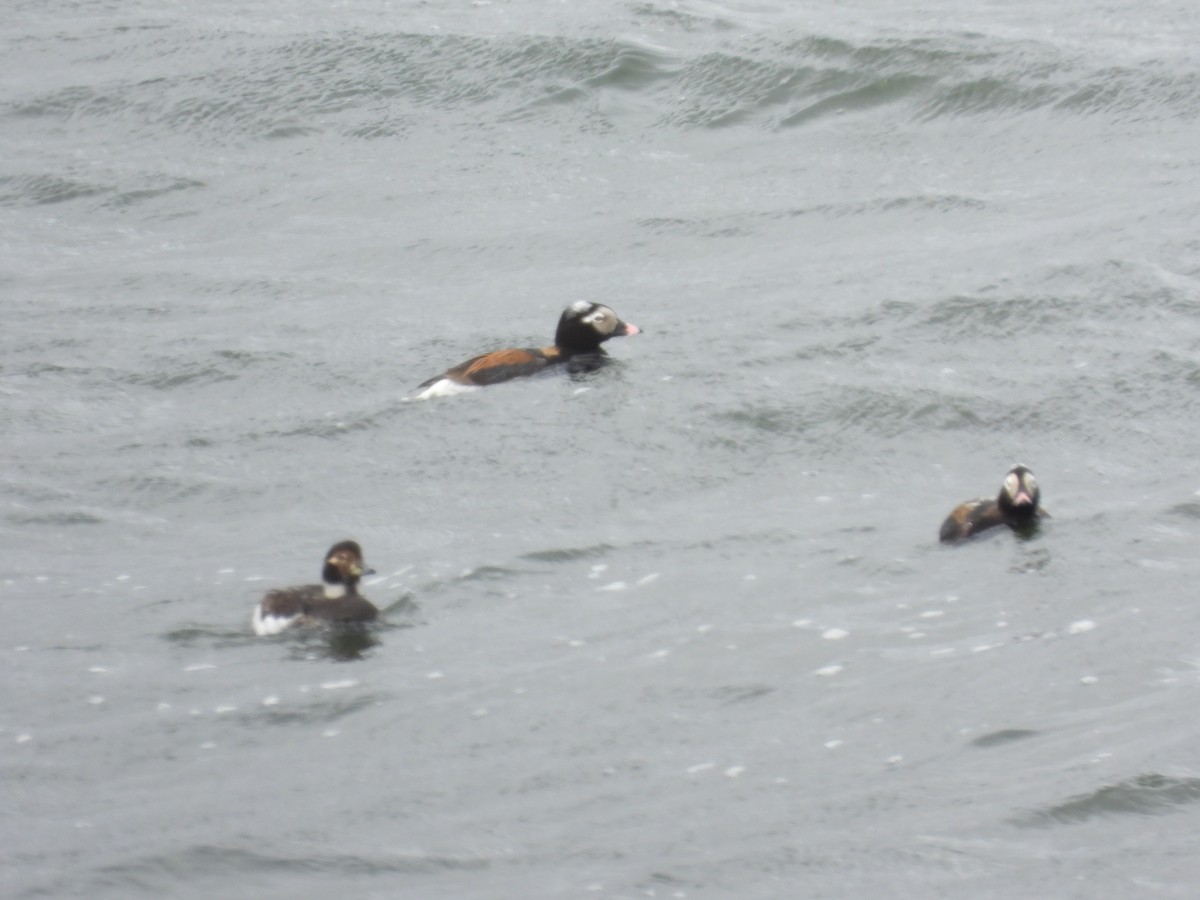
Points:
(1022, 499)
(628, 328)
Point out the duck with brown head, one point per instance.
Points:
(335, 601)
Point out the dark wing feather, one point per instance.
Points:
(345, 609)
(971, 518)
(500, 365)
(497, 366)
(954, 528)
(288, 602)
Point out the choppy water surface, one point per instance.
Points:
(677, 628)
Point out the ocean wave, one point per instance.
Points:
(234, 866)
(41, 189)
(1142, 795)
(383, 85)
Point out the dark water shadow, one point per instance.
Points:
(1034, 560)
(1003, 736)
(338, 641)
(197, 635)
(568, 554)
(1143, 795)
(342, 643)
(226, 869)
(1188, 509)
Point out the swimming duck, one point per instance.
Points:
(1015, 506)
(337, 600)
(582, 328)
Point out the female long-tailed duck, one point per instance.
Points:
(337, 601)
(1016, 506)
(582, 328)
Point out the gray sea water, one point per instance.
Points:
(677, 628)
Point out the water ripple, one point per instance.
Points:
(1149, 794)
(372, 85)
(203, 860)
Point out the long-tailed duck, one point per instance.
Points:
(582, 328)
(1016, 506)
(336, 601)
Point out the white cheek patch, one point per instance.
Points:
(603, 320)
(1012, 484)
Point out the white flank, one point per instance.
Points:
(444, 387)
(268, 625)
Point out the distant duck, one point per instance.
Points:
(337, 601)
(582, 328)
(1016, 506)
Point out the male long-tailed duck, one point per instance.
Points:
(1016, 506)
(582, 328)
(336, 601)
